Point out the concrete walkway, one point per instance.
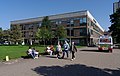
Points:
(88, 62)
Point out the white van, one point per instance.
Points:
(105, 43)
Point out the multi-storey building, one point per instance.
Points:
(116, 5)
(81, 27)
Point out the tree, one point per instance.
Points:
(16, 34)
(46, 23)
(1, 35)
(6, 35)
(45, 31)
(115, 26)
(60, 32)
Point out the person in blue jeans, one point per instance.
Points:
(30, 52)
(66, 48)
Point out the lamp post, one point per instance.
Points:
(71, 22)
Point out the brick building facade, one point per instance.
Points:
(84, 29)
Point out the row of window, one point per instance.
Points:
(70, 21)
(77, 32)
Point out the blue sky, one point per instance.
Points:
(11, 10)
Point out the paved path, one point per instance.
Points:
(88, 62)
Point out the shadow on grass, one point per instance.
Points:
(26, 57)
(74, 70)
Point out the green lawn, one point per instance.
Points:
(16, 51)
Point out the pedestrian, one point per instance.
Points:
(66, 48)
(30, 52)
(48, 50)
(73, 49)
(58, 50)
(35, 53)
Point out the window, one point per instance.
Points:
(60, 22)
(83, 41)
(91, 32)
(83, 31)
(39, 24)
(76, 22)
(71, 22)
(83, 20)
(56, 22)
(72, 32)
(107, 40)
(68, 32)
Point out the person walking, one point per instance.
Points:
(66, 48)
(58, 50)
(73, 49)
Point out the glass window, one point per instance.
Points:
(83, 20)
(71, 22)
(91, 32)
(68, 22)
(57, 22)
(83, 31)
(68, 32)
(60, 22)
(83, 41)
(72, 32)
(76, 22)
(40, 24)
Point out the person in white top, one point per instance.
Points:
(58, 50)
(73, 49)
(49, 50)
(30, 52)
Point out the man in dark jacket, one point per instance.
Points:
(73, 49)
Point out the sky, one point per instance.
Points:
(11, 10)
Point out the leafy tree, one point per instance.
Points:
(45, 31)
(46, 23)
(0, 32)
(1, 35)
(6, 35)
(60, 32)
(16, 34)
(44, 34)
(115, 26)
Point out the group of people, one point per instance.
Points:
(32, 52)
(50, 49)
(66, 48)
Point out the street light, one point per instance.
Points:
(71, 22)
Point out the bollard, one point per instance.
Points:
(7, 58)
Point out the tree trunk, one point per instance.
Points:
(44, 42)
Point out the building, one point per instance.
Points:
(116, 5)
(85, 30)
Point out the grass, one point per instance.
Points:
(15, 52)
(79, 46)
